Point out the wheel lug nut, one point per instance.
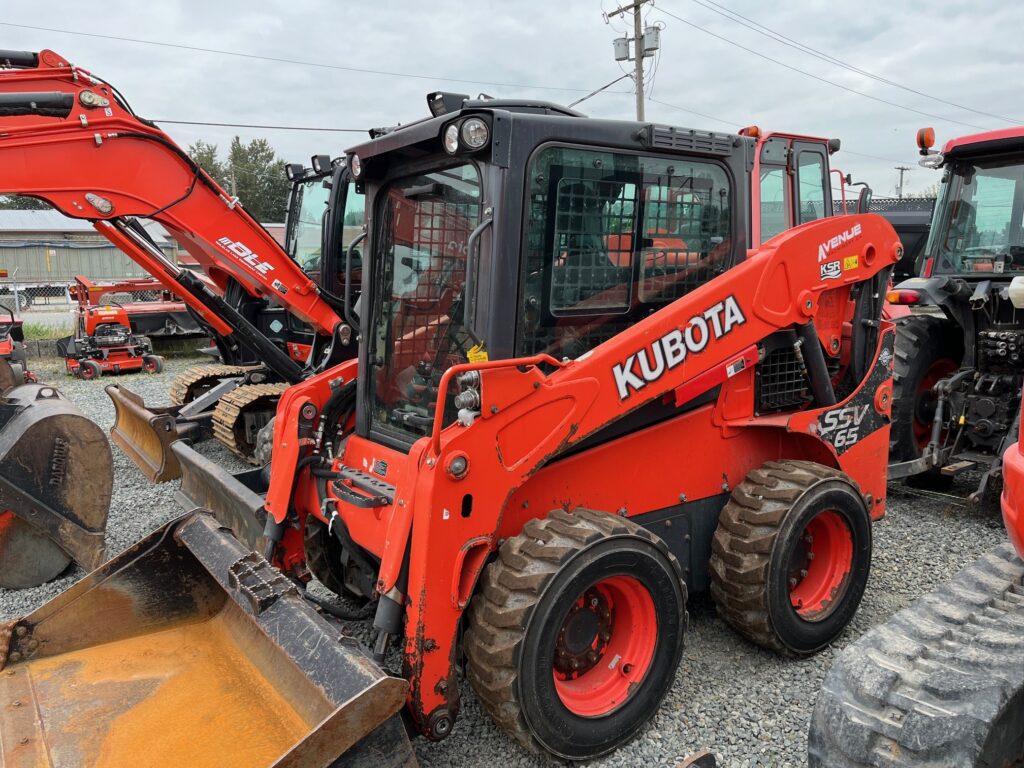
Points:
(793, 582)
(803, 573)
(810, 555)
(594, 602)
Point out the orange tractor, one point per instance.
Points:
(942, 682)
(506, 475)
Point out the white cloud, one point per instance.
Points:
(965, 52)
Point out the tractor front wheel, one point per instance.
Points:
(927, 351)
(791, 556)
(576, 631)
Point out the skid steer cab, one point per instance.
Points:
(579, 399)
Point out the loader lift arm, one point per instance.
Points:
(68, 138)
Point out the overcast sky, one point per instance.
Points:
(967, 53)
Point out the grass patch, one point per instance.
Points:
(44, 331)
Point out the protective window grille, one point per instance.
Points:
(610, 238)
(425, 229)
(592, 246)
(682, 225)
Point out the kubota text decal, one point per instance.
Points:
(650, 363)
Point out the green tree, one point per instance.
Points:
(252, 172)
(258, 178)
(205, 154)
(21, 203)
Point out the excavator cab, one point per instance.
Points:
(213, 401)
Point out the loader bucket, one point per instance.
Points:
(145, 434)
(56, 477)
(235, 500)
(190, 649)
(9, 377)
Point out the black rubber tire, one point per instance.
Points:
(921, 341)
(89, 370)
(751, 550)
(940, 684)
(324, 559)
(516, 615)
(152, 361)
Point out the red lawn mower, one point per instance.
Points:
(13, 352)
(104, 343)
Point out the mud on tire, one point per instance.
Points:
(522, 619)
(764, 528)
(939, 684)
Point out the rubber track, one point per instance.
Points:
(922, 689)
(742, 544)
(184, 382)
(229, 410)
(509, 590)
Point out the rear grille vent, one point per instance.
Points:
(782, 383)
(686, 140)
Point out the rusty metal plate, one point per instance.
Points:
(144, 435)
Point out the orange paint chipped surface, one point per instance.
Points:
(183, 696)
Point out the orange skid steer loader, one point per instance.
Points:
(551, 437)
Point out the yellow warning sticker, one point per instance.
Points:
(851, 262)
(477, 354)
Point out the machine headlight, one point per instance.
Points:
(474, 133)
(451, 139)
(355, 165)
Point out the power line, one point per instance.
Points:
(279, 60)
(772, 34)
(265, 127)
(598, 90)
(816, 77)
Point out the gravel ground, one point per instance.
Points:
(747, 705)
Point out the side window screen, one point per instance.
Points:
(592, 258)
(811, 178)
(773, 202)
(683, 219)
(612, 237)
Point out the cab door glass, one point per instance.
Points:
(811, 185)
(306, 229)
(774, 205)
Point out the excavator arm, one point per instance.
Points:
(69, 138)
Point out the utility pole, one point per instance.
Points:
(902, 169)
(640, 48)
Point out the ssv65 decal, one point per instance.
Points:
(651, 363)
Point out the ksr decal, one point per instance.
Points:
(650, 363)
